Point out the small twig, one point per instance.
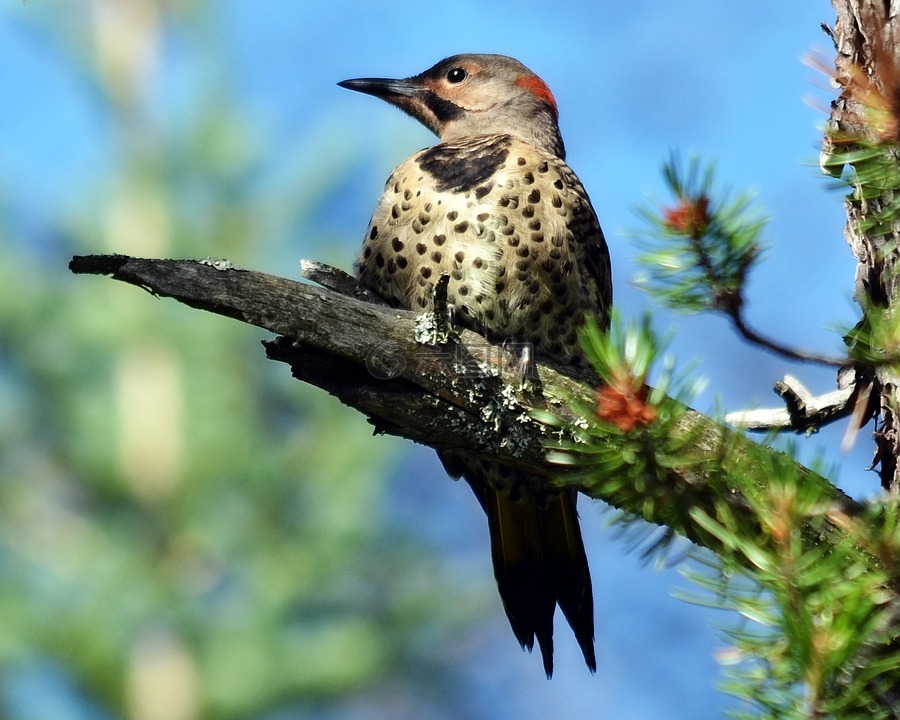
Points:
(736, 312)
(804, 413)
(336, 279)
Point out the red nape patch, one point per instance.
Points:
(537, 87)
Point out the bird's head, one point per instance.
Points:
(467, 95)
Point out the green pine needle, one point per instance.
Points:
(698, 249)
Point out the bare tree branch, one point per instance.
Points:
(803, 411)
(462, 394)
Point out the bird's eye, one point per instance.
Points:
(456, 75)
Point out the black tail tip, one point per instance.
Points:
(589, 658)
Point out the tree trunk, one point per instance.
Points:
(867, 69)
(866, 116)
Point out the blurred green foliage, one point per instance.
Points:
(184, 529)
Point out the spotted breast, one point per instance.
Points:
(512, 227)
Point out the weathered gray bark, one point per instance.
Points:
(461, 394)
(867, 40)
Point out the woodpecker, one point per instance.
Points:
(495, 206)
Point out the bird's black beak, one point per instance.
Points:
(384, 88)
(411, 96)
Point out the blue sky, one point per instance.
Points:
(633, 81)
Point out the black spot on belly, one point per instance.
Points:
(480, 192)
(459, 167)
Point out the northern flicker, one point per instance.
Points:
(495, 207)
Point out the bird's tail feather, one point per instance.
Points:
(564, 550)
(538, 557)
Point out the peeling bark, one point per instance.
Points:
(867, 69)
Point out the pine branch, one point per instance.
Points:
(464, 393)
(698, 252)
